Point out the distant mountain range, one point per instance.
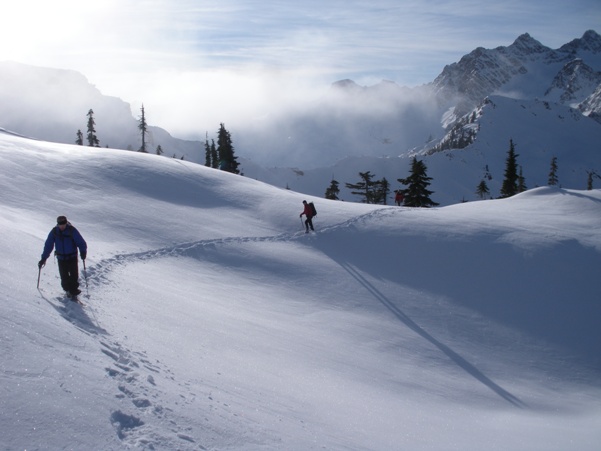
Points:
(547, 101)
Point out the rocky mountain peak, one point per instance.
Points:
(526, 45)
(574, 82)
(590, 41)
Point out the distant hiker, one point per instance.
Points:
(65, 240)
(398, 198)
(309, 212)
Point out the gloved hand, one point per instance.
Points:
(41, 263)
(83, 255)
(300, 216)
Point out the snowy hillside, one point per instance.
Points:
(212, 321)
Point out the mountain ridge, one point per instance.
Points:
(349, 122)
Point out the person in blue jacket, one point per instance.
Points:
(65, 240)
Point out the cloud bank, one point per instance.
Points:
(196, 64)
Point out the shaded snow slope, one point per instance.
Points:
(213, 322)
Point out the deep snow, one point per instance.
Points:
(213, 322)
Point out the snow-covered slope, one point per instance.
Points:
(213, 322)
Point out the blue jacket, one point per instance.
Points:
(65, 243)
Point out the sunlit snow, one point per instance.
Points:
(212, 321)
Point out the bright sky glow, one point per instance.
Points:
(173, 53)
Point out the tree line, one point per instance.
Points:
(417, 194)
(373, 191)
(219, 156)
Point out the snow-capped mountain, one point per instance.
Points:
(591, 107)
(575, 82)
(474, 149)
(376, 128)
(525, 69)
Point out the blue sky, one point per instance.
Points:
(153, 50)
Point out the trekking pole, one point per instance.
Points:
(39, 274)
(85, 273)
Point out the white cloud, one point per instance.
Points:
(232, 59)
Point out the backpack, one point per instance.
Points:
(313, 210)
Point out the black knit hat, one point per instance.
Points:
(61, 220)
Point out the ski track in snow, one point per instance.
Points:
(133, 372)
(128, 367)
(98, 273)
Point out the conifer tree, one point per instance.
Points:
(207, 152)
(159, 150)
(143, 127)
(214, 155)
(553, 180)
(92, 138)
(225, 149)
(510, 183)
(417, 193)
(380, 192)
(364, 187)
(79, 140)
(521, 182)
(589, 182)
(482, 189)
(332, 191)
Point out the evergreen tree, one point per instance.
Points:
(521, 182)
(79, 140)
(227, 160)
(380, 192)
(207, 152)
(553, 180)
(482, 189)
(364, 187)
(333, 190)
(589, 182)
(510, 183)
(214, 155)
(416, 193)
(92, 138)
(159, 150)
(143, 127)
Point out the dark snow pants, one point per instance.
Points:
(69, 272)
(309, 223)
